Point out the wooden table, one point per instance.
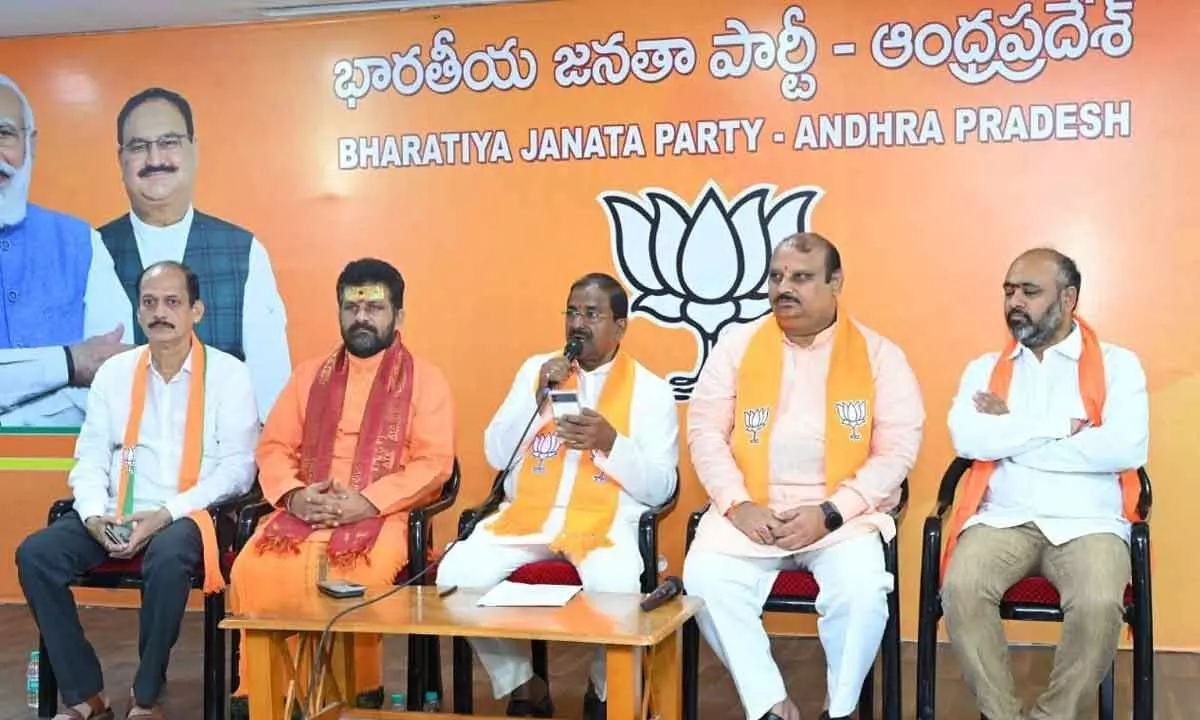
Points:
(613, 620)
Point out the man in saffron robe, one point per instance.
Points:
(1057, 424)
(170, 431)
(802, 427)
(355, 440)
(579, 484)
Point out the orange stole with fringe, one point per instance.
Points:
(189, 465)
(594, 496)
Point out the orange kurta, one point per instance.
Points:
(261, 581)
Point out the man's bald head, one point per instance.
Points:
(1068, 271)
(811, 242)
(1041, 293)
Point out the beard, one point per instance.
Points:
(1036, 333)
(364, 341)
(14, 194)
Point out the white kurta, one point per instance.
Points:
(645, 463)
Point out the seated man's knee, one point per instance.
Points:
(966, 584)
(611, 570)
(175, 550)
(702, 575)
(863, 592)
(32, 551)
(461, 567)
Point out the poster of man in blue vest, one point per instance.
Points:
(63, 311)
(244, 314)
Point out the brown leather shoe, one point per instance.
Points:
(100, 710)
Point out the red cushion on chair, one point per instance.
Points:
(114, 566)
(547, 572)
(1039, 591)
(795, 584)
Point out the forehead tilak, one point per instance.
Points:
(361, 293)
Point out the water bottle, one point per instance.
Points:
(31, 680)
(431, 702)
(398, 702)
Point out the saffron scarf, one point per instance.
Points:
(378, 452)
(1093, 388)
(189, 465)
(594, 496)
(849, 406)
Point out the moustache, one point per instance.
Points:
(162, 323)
(790, 298)
(360, 327)
(1017, 315)
(7, 170)
(151, 169)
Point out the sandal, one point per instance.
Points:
(100, 711)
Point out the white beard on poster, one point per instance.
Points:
(702, 267)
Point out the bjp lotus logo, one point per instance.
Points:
(755, 421)
(702, 267)
(853, 414)
(544, 446)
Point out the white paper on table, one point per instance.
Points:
(511, 594)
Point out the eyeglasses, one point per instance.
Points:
(165, 143)
(10, 136)
(588, 315)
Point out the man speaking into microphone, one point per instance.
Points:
(582, 473)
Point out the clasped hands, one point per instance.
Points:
(791, 529)
(325, 505)
(146, 524)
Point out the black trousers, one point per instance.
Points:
(50, 558)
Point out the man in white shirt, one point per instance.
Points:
(1057, 425)
(580, 481)
(63, 311)
(155, 479)
(157, 150)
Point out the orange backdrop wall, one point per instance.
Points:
(931, 170)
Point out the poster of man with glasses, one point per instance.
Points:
(62, 309)
(244, 314)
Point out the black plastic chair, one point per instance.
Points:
(795, 591)
(116, 574)
(548, 572)
(1035, 598)
(424, 655)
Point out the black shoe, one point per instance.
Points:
(544, 708)
(770, 716)
(239, 709)
(593, 707)
(370, 699)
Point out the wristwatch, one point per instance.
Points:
(833, 518)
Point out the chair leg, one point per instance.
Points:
(927, 643)
(541, 661)
(433, 665)
(890, 662)
(1108, 694)
(214, 657)
(417, 657)
(1143, 665)
(866, 697)
(47, 683)
(464, 680)
(691, 670)
(235, 658)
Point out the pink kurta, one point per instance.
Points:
(797, 447)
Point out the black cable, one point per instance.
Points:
(319, 658)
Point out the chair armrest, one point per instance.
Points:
(693, 523)
(1145, 494)
(58, 509)
(490, 504)
(247, 522)
(648, 537)
(949, 485)
(226, 516)
(420, 530)
(898, 511)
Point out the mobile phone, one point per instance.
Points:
(341, 589)
(118, 534)
(564, 402)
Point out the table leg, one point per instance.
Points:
(665, 677)
(266, 683)
(341, 665)
(624, 675)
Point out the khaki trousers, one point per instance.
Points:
(1090, 573)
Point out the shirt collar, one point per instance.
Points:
(141, 226)
(187, 362)
(598, 370)
(1070, 347)
(822, 338)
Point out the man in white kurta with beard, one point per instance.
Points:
(581, 483)
(802, 427)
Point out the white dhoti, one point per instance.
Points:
(852, 605)
(483, 560)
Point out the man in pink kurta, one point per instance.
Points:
(741, 546)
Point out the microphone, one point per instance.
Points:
(669, 588)
(573, 349)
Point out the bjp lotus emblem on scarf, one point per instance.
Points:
(544, 447)
(599, 476)
(701, 267)
(853, 414)
(755, 419)
(129, 458)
